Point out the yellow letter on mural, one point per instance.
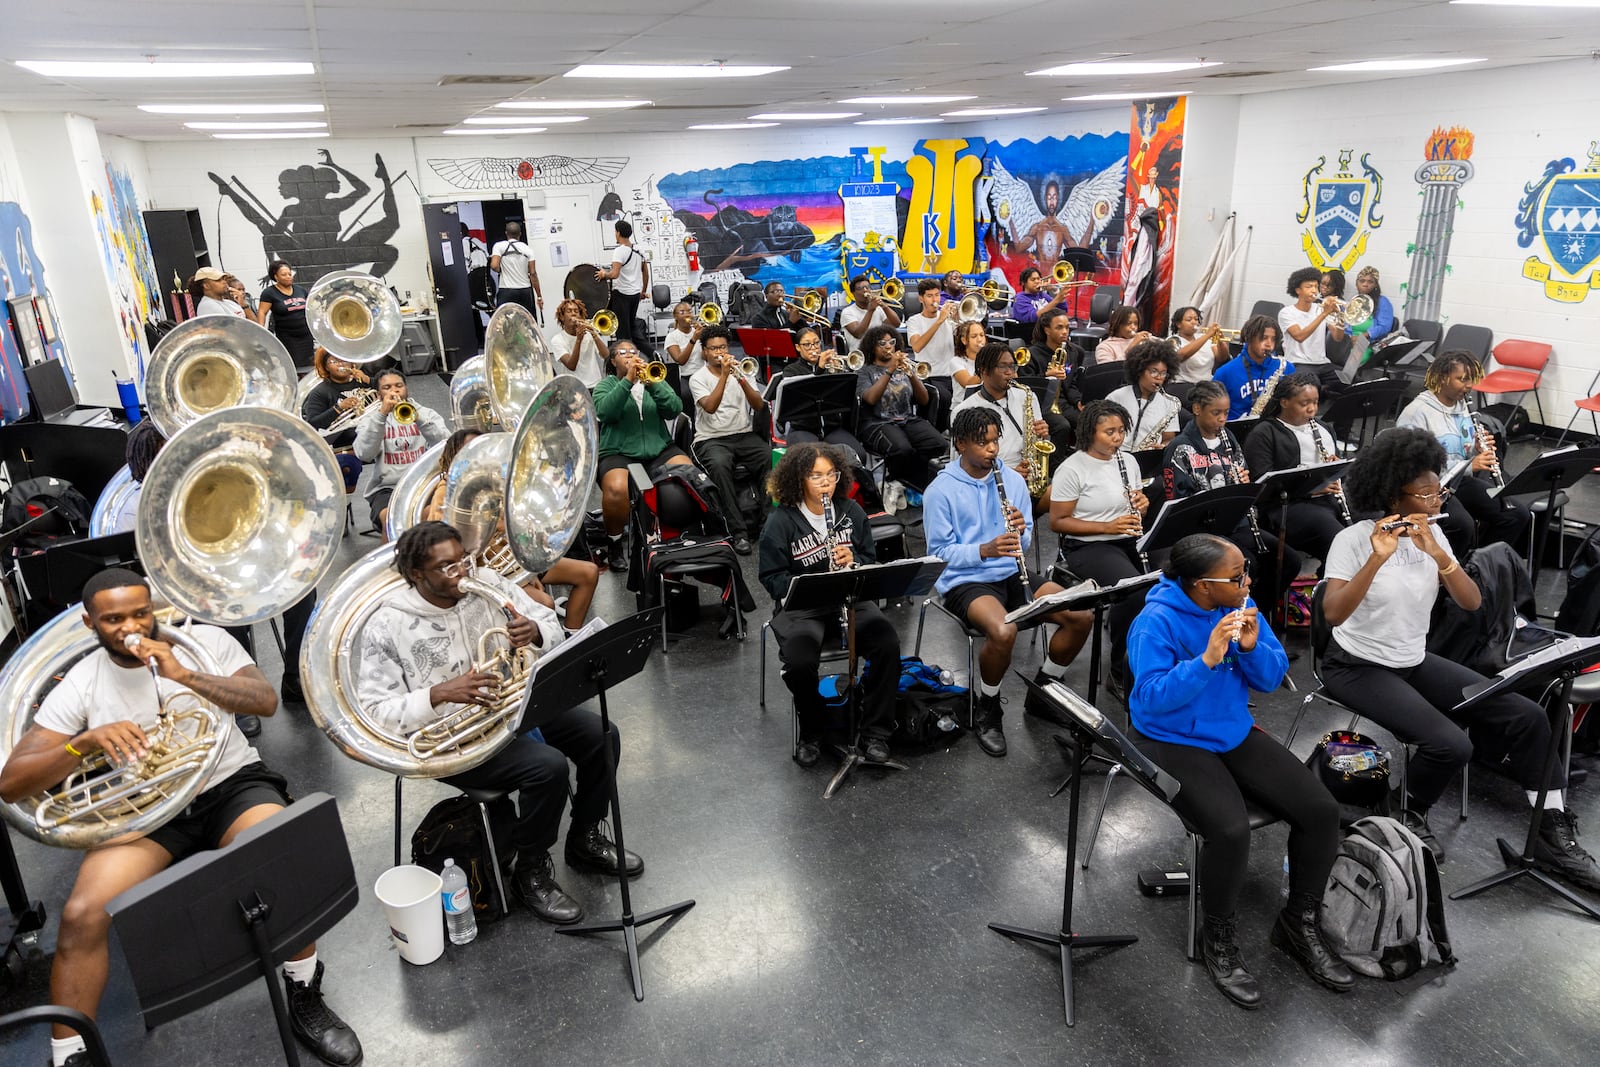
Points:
(939, 229)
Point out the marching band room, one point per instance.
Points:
(692, 532)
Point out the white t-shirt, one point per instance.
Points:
(629, 280)
(1314, 349)
(1011, 428)
(590, 369)
(853, 314)
(1160, 410)
(695, 361)
(210, 305)
(514, 256)
(1310, 440)
(1195, 368)
(1390, 625)
(940, 350)
(732, 415)
(97, 692)
(1098, 487)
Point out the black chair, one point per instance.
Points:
(483, 798)
(1475, 339)
(1368, 403)
(1098, 381)
(1180, 391)
(1425, 330)
(1259, 817)
(972, 635)
(1103, 303)
(94, 1045)
(1269, 308)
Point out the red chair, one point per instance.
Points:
(1591, 404)
(1521, 368)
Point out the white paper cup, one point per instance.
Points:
(412, 904)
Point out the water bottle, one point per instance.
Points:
(458, 915)
(1283, 888)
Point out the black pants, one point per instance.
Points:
(1267, 586)
(1472, 517)
(1063, 431)
(295, 619)
(1413, 704)
(801, 636)
(537, 773)
(1212, 800)
(720, 455)
(837, 436)
(941, 390)
(518, 296)
(1108, 562)
(1313, 524)
(908, 447)
(626, 308)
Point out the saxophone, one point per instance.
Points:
(1153, 438)
(1266, 391)
(1035, 449)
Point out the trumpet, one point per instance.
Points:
(893, 289)
(837, 363)
(1227, 335)
(1023, 357)
(748, 367)
(604, 323)
(404, 412)
(921, 368)
(709, 314)
(655, 371)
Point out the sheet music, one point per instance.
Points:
(593, 626)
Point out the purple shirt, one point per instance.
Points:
(1025, 306)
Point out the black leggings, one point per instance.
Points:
(1313, 524)
(1109, 562)
(1411, 703)
(800, 641)
(1212, 800)
(909, 448)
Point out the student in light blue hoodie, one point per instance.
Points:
(982, 546)
(1196, 650)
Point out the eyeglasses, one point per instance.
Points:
(890, 341)
(1006, 367)
(813, 343)
(1430, 498)
(715, 347)
(823, 479)
(461, 568)
(1239, 580)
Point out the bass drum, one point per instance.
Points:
(581, 284)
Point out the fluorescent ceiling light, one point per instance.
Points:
(1123, 96)
(896, 122)
(804, 115)
(502, 120)
(732, 125)
(1531, 3)
(571, 105)
(906, 99)
(1396, 64)
(232, 109)
(159, 69)
(264, 136)
(668, 70)
(495, 131)
(1126, 66)
(256, 125)
(974, 112)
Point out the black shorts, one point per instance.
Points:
(378, 501)
(1009, 592)
(614, 462)
(201, 825)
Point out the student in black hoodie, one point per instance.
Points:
(1291, 436)
(794, 541)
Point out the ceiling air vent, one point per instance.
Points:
(1244, 74)
(493, 79)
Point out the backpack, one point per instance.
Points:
(1383, 911)
(1580, 610)
(453, 829)
(930, 708)
(29, 499)
(1479, 639)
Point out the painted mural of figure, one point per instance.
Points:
(1090, 206)
(309, 232)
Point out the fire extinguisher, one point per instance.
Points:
(691, 248)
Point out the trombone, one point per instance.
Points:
(893, 289)
(709, 314)
(1064, 275)
(809, 306)
(990, 290)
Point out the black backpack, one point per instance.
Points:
(453, 830)
(35, 497)
(1580, 611)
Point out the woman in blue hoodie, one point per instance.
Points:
(1196, 650)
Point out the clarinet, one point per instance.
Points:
(1481, 434)
(1005, 506)
(830, 541)
(1330, 456)
(1127, 493)
(1234, 479)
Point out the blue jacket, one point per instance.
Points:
(960, 512)
(1243, 380)
(1175, 696)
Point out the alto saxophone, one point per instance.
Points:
(1153, 438)
(1266, 391)
(1036, 450)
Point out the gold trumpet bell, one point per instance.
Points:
(604, 323)
(655, 371)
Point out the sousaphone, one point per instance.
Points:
(354, 316)
(214, 363)
(517, 362)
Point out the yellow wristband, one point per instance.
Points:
(69, 748)
(1454, 566)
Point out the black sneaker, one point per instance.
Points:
(534, 883)
(249, 725)
(316, 1025)
(617, 555)
(877, 750)
(589, 848)
(807, 752)
(741, 544)
(1558, 851)
(1417, 823)
(991, 738)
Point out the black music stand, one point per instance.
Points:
(811, 402)
(1363, 403)
(1394, 357)
(587, 668)
(1556, 666)
(1285, 487)
(221, 919)
(1095, 597)
(1550, 473)
(842, 591)
(1087, 729)
(1216, 511)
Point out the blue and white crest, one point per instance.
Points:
(1561, 211)
(1342, 209)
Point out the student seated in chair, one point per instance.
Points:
(725, 402)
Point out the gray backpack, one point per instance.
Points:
(1383, 912)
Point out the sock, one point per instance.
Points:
(616, 538)
(987, 690)
(1553, 800)
(301, 971)
(1052, 669)
(62, 1047)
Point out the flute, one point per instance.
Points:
(1238, 624)
(1400, 524)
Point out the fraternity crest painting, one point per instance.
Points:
(1559, 215)
(1342, 209)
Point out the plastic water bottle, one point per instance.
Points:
(1283, 888)
(458, 915)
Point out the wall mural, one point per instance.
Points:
(1447, 166)
(21, 274)
(1155, 166)
(125, 255)
(1561, 211)
(941, 228)
(1343, 210)
(527, 172)
(310, 229)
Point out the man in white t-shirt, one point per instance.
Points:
(107, 703)
(867, 311)
(208, 288)
(573, 333)
(1306, 326)
(724, 428)
(931, 335)
(629, 276)
(512, 260)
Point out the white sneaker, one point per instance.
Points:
(894, 497)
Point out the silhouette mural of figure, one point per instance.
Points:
(308, 232)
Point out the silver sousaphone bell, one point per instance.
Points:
(517, 362)
(213, 363)
(354, 316)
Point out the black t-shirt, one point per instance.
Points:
(288, 312)
(771, 318)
